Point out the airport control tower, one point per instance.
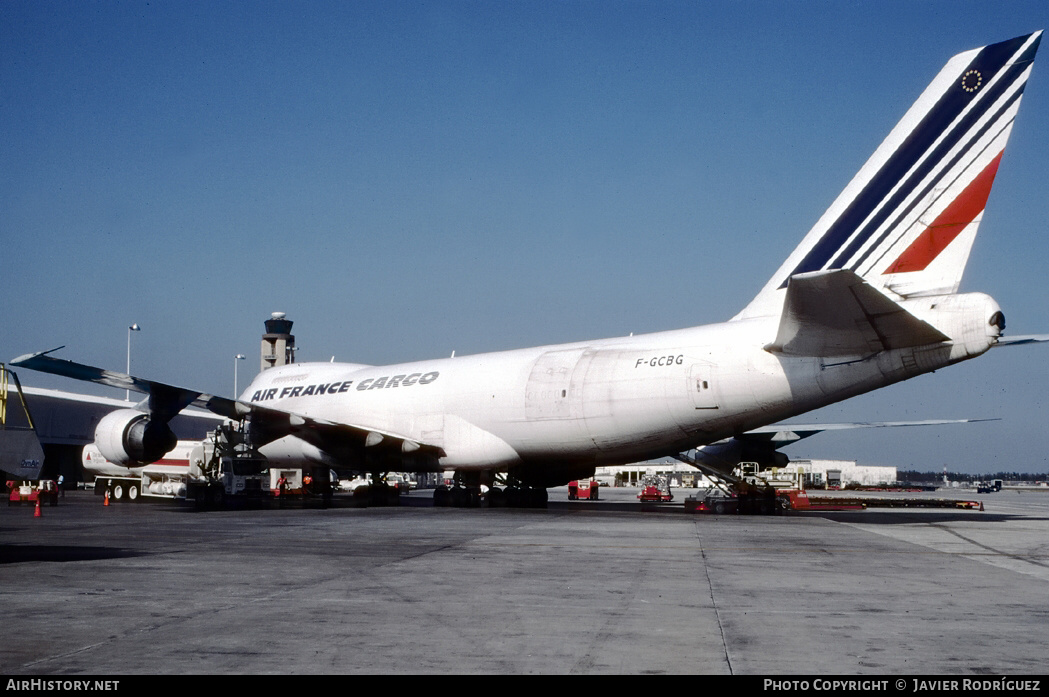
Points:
(278, 343)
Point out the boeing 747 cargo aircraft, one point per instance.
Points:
(867, 299)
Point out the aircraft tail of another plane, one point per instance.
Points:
(906, 222)
(21, 455)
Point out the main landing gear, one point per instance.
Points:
(481, 490)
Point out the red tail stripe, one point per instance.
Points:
(962, 211)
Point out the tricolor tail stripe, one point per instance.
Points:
(904, 211)
(961, 212)
(937, 165)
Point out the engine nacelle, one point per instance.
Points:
(726, 454)
(292, 451)
(128, 437)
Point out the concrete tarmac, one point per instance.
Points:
(611, 586)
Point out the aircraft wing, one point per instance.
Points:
(837, 313)
(267, 423)
(164, 400)
(336, 438)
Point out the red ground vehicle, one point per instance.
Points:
(583, 490)
(45, 491)
(655, 489)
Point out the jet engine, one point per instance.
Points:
(128, 437)
(724, 455)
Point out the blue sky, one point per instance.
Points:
(409, 179)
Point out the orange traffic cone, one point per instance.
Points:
(37, 514)
(106, 502)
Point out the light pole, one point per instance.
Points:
(238, 357)
(132, 328)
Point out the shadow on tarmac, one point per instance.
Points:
(15, 554)
(909, 517)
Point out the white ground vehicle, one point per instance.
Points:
(223, 469)
(164, 479)
(209, 472)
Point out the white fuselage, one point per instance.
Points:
(605, 401)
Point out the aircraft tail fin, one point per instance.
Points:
(21, 454)
(906, 222)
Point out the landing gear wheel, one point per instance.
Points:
(496, 498)
(538, 498)
(514, 497)
(530, 497)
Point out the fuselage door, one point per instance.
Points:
(701, 386)
(550, 394)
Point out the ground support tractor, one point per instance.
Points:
(746, 491)
(44, 491)
(655, 489)
(586, 490)
(226, 470)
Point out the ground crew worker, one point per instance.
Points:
(282, 489)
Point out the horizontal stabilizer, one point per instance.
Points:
(785, 434)
(1021, 340)
(836, 313)
(762, 444)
